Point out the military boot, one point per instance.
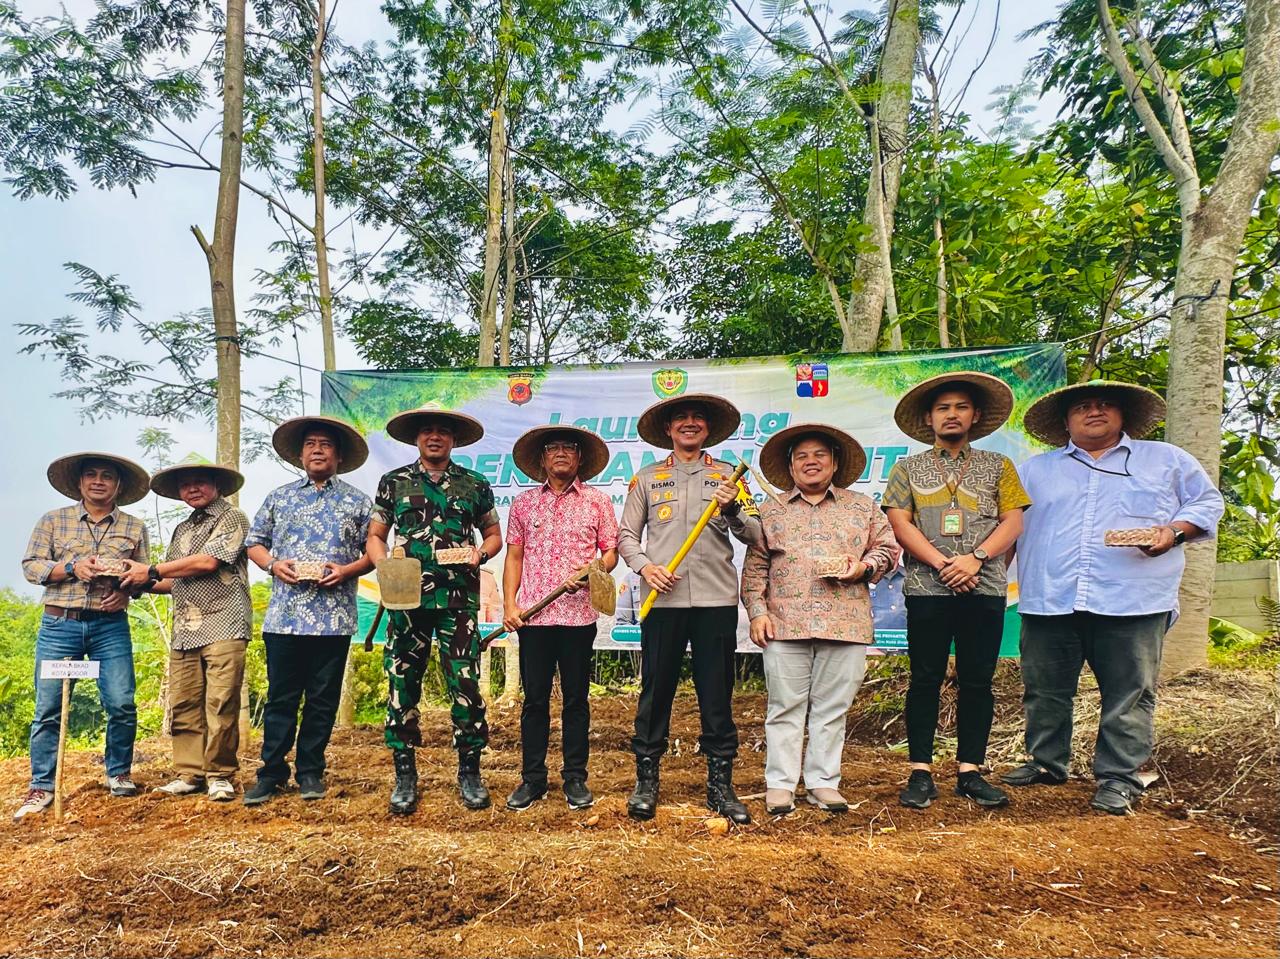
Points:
(470, 785)
(404, 797)
(720, 794)
(643, 802)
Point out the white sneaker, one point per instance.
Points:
(180, 787)
(36, 800)
(121, 786)
(220, 790)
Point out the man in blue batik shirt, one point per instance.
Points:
(309, 536)
(1083, 601)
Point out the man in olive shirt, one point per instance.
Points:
(698, 606)
(956, 510)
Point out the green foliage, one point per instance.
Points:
(1231, 646)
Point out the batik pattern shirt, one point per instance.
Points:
(212, 606)
(327, 524)
(779, 577)
(429, 515)
(560, 533)
(988, 487)
(67, 535)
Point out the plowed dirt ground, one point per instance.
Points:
(341, 877)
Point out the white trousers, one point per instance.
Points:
(817, 677)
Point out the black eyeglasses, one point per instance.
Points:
(560, 446)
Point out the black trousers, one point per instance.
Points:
(298, 667)
(975, 624)
(664, 635)
(542, 650)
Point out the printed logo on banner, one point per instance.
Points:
(811, 379)
(520, 388)
(669, 383)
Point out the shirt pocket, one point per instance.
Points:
(988, 504)
(1153, 505)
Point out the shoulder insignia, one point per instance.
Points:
(670, 460)
(707, 460)
(634, 480)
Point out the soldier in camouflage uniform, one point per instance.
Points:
(434, 503)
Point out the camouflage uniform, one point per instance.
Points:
(428, 516)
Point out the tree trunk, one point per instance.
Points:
(509, 255)
(872, 273)
(317, 166)
(493, 229)
(1212, 235)
(220, 255)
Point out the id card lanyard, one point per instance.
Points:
(952, 516)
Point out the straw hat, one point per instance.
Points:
(592, 450)
(1046, 419)
(64, 476)
(288, 437)
(404, 426)
(775, 456)
(722, 419)
(995, 401)
(165, 483)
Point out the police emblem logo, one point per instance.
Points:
(665, 512)
(669, 383)
(519, 388)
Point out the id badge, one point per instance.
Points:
(952, 522)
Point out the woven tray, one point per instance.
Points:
(453, 555)
(1143, 536)
(828, 567)
(309, 570)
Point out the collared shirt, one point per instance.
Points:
(327, 524)
(989, 486)
(1063, 565)
(666, 499)
(68, 534)
(215, 605)
(560, 533)
(428, 515)
(779, 577)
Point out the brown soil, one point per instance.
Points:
(341, 877)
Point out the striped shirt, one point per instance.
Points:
(68, 535)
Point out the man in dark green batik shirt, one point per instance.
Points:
(435, 504)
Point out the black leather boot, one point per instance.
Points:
(720, 794)
(643, 802)
(404, 797)
(470, 785)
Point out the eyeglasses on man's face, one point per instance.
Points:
(560, 446)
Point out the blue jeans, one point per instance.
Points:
(108, 641)
(1124, 654)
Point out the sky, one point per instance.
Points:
(147, 242)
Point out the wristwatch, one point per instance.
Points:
(69, 567)
(1179, 536)
(980, 555)
(484, 557)
(153, 573)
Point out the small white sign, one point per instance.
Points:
(69, 668)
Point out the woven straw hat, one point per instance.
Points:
(404, 426)
(593, 452)
(775, 456)
(64, 476)
(288, 437)
(996, 404)
(1046, 419)
(165, 483)
(722, 419)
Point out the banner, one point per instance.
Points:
(856, 392)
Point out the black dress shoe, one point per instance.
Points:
(1112, 798)
(920, 790)
(525, 795)
(1030, 774)
(577, 794)
(972, 786)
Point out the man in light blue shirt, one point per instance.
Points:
(1082, 601)
(309, 535)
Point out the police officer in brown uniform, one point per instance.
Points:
(696, 607)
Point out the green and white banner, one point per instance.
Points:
(857, 392)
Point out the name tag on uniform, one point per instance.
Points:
(952, 522)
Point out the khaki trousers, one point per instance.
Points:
(204, 688)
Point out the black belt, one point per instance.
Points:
(83, 615)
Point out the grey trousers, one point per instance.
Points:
(1124, 654)
(817, 677)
